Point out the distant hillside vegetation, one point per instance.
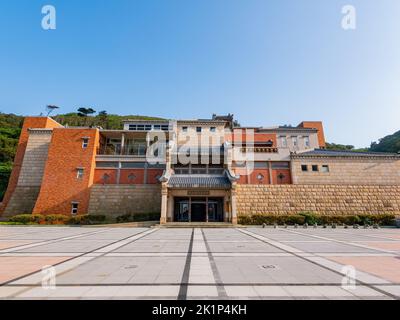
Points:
(389, 143)
(106, 121)
(344, 147)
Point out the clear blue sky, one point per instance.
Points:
(267, 61)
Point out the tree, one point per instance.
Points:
(85, 112)
(103, 118)
(50, 108)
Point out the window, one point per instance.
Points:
(213, 129)
(198, 129)
(106, 164)
(283, 142)
(85, 143)
(74, 208)
(199, 169)
(132, 127)
(307, 141)
(181, 169)
(314, 167)
(280, 165)
(157, 127)
(164, 127)
(304, 167)
(294, 140)
(260, 164)
(325, 168)
(215, 169)
(79, 173)
(184, 129)
(133, 165)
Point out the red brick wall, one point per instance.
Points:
(152, 175)
(139, 176)
(99, 174)
(256, 172)
(251, 178)
(287, 177)
(29, 123)
(60, 185)
(124, 176)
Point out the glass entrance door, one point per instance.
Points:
(215, 210)
(181, 212)
(192, 209)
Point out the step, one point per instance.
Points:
(197, 225)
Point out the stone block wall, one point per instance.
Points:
(26, 191)
(22, 201)
(347, 171)
(115, 200)
(322, 199)
(35, 158)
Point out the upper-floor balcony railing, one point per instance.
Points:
(257, 149)
(133, 151)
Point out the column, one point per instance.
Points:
(270, 172)
(233, 204)
(164, 203)
(122, 144)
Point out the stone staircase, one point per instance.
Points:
(197, 225)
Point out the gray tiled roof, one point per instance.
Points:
(198, 181)
(344, 153)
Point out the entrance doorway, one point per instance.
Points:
(198, 211)
(192, 209)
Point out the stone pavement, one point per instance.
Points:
(245, 263)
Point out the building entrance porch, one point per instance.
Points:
(198, 209)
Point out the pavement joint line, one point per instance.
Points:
(295, 253)
(9, 282)
(370, 236)
(204, 284)
(182, 295)
(349, 243)
(220, 288)
(239, 284)
(23, 233)
(42, 243)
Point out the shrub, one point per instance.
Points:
(137, 217)
(93, 218)
(124, 218)
(27, 218)
(56, 218)
(312, 218)
(80, 219)
(271, 219)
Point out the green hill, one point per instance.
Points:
(389, 143)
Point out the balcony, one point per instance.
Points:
(118, 153)
(257, 149)
(117, 150)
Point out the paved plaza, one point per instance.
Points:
(199, 263)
